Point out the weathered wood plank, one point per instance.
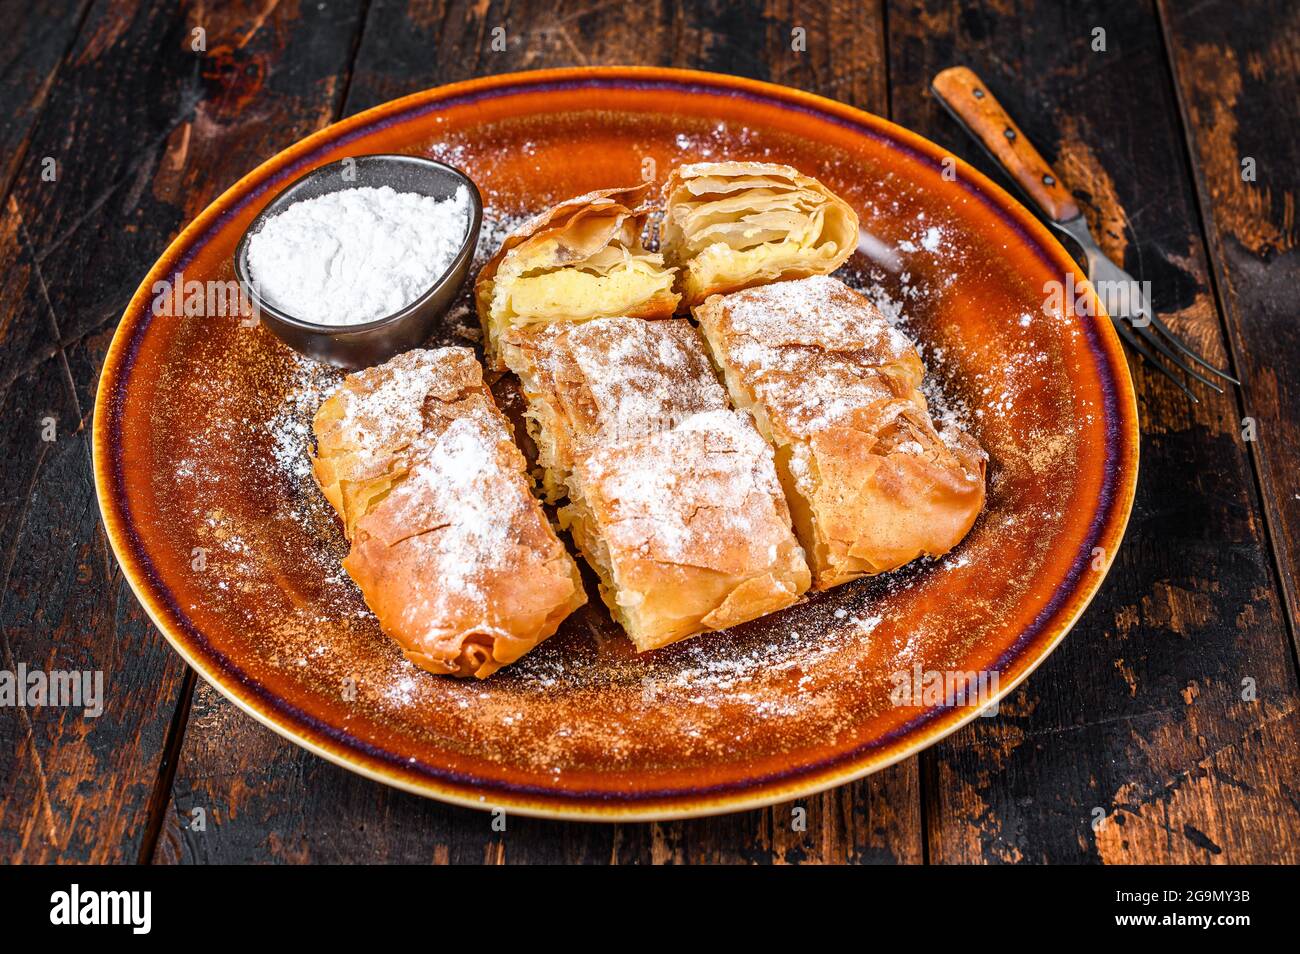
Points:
(31, 51)
(1238, 73)
(1137, 722)
(272, 800)
(31, 54)
(146, 129)
(64, 607)
(76, 784)
(77, 777)
(409, 46)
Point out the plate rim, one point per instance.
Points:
(566, 806)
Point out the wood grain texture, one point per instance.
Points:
(146, 130)
(409, 46)
(1238, 70)
(1132, 742)
(77, 787)
(250, 776)
(1137, 723)
(32, 49)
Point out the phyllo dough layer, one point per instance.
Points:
(673, 498)
(687, 528)
(732, 225)
(449, 547)
(607, 381)
(582, 259)
(871, 484)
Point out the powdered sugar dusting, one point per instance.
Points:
(814, 312)
(377, 419)
(812, 351)
(310, 383)
(637, 377)
(695, 494)
(230, 481)
(459, 489)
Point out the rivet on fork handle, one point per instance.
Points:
(971, 104)
(965, 94)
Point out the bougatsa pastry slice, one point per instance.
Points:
(871, 483)
(582, 259)
(673, 497)
(606, 381)
(450, 549)
(687, 528)
(732, 225)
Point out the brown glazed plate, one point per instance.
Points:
(201, 428)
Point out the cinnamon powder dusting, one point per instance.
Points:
(231, 479)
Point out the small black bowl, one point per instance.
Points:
(359, 346)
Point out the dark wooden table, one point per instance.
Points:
(1163, 730)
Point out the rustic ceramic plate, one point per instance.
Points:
(201, 428)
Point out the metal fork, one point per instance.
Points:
(966, 97)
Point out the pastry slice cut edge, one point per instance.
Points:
(582, 259)
(672, 496)
(687, 529)
(734, 225)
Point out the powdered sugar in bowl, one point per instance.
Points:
(358, 260)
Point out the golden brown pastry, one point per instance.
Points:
(582, 259)
(871, 484)
(607, 381)
(732, 225)
(449, 547)
(672, 497)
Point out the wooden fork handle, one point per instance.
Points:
(970, 101)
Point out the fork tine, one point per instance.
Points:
(1178, 343)
(1139, 345)
(1153, 340)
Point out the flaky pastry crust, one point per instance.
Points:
(734, 225)
(605, 382)
(672, 496)
(450, 549)
(872, 484)
(582, 259)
